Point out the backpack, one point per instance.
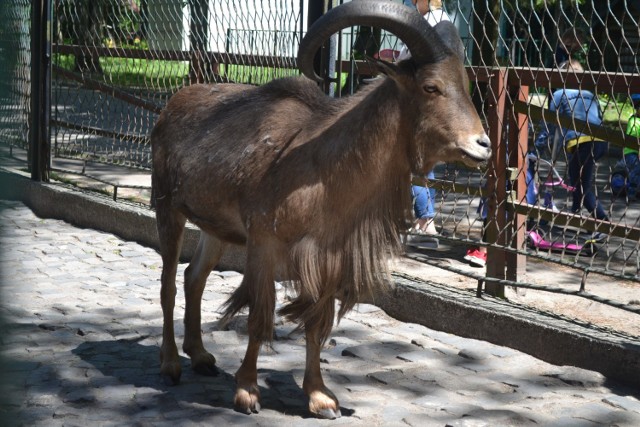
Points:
(625, 177)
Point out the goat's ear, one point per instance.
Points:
(386, 68)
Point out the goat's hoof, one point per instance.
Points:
(247, 400)
(324, 404)
(170, 373)
(204, 364)
(329, 414)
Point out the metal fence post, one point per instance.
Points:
(320, 62)
(496, 185)
(518, 141)
(41, 18)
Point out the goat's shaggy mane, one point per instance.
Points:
(348, 261)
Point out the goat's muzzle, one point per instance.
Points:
(477, 150)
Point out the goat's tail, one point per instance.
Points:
(236, 303)
(311, 315)
(260, 311)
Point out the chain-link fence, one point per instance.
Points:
(555, 83)
(550, 190)
(121, 60)
(15, 68)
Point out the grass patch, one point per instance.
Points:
(254, 75)
(133, 72)
(156, 74)
(163, 75)
(615, 112)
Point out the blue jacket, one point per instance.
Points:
(578, 104)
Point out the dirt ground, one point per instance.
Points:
(539, 272)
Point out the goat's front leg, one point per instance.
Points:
(206, 256)
(322, 402)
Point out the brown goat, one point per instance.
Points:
(316, 188)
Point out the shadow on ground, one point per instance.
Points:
(281, 393)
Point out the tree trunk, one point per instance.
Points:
(201, 69)
(144, 19)
(89, 22)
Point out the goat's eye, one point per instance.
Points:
(430, 88)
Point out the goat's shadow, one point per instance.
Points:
(282, 393)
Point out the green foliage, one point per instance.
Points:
(64, 61)
(614, 110)
(540, 4)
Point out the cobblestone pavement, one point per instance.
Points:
(83, 326)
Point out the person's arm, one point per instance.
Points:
(541, 143)
(547, 129)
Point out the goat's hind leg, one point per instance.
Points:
(322, 402)
(258, 291)
(207, 255)
(170, 231)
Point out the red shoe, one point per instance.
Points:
(476, 258)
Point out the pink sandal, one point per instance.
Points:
(559, 183)
(538, 242)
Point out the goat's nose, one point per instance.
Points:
(484, 141)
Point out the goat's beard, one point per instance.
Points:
(422, 163)
(422, 153)
(417, 161)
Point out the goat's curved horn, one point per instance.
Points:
(422, 40)
(449, 35)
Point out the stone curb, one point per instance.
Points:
(549, 338)
(409, 300)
